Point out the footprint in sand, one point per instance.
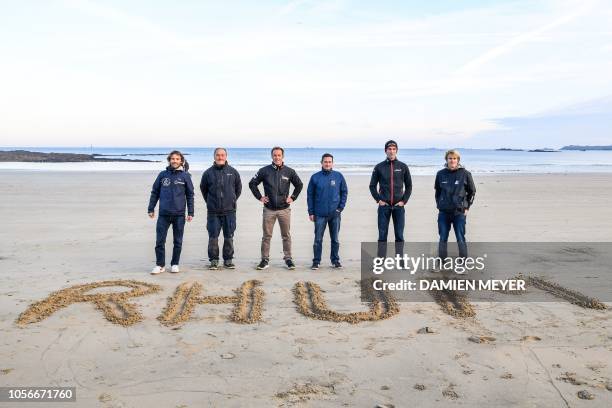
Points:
(531, 338)
(481, 339)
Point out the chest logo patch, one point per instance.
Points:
(165, 182)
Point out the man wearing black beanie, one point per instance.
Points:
(391, 186)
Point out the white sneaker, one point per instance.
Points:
(157, 270)
(174, 269)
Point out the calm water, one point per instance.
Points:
(354, 161)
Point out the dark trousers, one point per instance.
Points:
(457, 220)
(385, 214)
(320, 223)
(178, 227)
(215, 224)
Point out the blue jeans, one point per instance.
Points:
(214, 225)
(457, 220)
(385, 214)
(320, 224)
(178, 227)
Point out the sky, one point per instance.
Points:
(335, 73)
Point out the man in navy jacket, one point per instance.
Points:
(455, 192)
(221, 186)
(327, 193)
(174, 190)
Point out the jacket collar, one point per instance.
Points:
(326, 171)
(275, 167)
(459, 167)
(179, 168)
(216, 166)
(389, 161)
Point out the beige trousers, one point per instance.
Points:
(284, 220)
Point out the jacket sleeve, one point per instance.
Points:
(310, 195)
(189, 193)
(437, 188)
(407, 185)
(373, 183)
(297, 185)
(204, 186)
(254, 183)
(237, 184)
(154, 195)
(343, 194)
(470, 189)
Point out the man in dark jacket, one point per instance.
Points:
(276, 179)
(455, 192)
(174, 190)
(391, 186)
(221, 187)
(327, 193)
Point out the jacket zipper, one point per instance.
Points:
(391, 183)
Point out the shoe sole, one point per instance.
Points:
(260, 268)
(229, 267)
(213, 268)
(291, 268)
(315, 269)
(157, 273)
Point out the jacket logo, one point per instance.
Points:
(333, 182)
(179, 182)
(229, 174)
(456, 181)
(165, 182)
(285, 178)
(398, 170)
(444, 182)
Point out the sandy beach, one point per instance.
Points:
(62, 229)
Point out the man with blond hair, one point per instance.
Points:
(455, 192)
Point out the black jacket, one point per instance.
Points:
(455, 189)
(221, 186)
(391, 175)
(276, 180)
(174, 190)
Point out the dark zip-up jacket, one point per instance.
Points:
(455, 189)
(276, 180)
(393, 181)
(326, 193)
(221, 186)
(174, 190)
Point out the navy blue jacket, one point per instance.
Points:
(221, 186)
(327, 193)
(455, 189)
(174, 190)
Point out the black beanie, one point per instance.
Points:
(390, 143)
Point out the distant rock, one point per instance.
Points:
(584, 148)
(507, 149)
(544, 150)
(39, 157)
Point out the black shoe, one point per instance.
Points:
(229, 264)
(337, 265)
(314, 266)
(263, 264)
(214, 265)
(290, 264)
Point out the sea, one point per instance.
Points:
(347, 160)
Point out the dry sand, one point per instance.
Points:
(65, 229)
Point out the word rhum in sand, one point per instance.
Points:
(248, 303)
(114, 305)
(311, 303)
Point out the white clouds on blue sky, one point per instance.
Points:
(304, 72)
